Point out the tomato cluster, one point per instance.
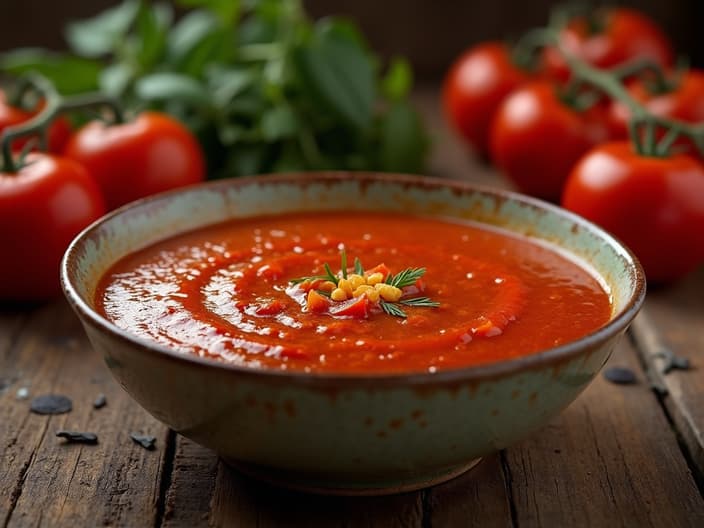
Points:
(535, 126)
(46, 199)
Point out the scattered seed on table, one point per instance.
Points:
(672, 361)
(78, 437)
(620, 375)
(51, 404)
(22, 393)
(147, 442)
(100, 401)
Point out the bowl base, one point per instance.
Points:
(301, 482)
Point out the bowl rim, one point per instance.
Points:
(544, 358)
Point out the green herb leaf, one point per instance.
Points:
(331, 276)
(172, 86)
(70, 75)
(278, 122)
(407, 277)
(338, 73)
(358, 269)
(420, 301)
(227, 10)
(343, 263)
(403, 141)
(153, 22)
(99, 35)
(398, 80)
(188, 32)
(392, 309)
(115, 79)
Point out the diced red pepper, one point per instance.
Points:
(270, 308)
(270, 272)
(357, 307)
(317, 303)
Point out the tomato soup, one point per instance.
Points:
(353, 293)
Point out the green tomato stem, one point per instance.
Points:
(609, 83)
(55, 105)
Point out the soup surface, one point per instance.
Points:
(257, 293)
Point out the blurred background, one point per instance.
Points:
(429, 33)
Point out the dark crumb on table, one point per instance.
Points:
(51, 404)
(146, 441)
(78, 437)
(620, 375)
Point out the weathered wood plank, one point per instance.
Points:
(611, 459)
(191, 487)
(477, 498)
(44, 481)
(673, 319)
(244, 502)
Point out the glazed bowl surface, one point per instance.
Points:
(352, 434)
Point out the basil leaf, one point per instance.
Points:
(338, 73)
(153, 22)
(115, 79)
(99, 35)
(403, 141)
(170, 87)
(226, 84)
(70, 75)
(226, 10)
(190, 31)
(277, 123)
(398, 80)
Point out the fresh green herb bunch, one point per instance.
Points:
(262, 86)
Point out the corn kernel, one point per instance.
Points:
(388, 292)
(361, 289)
(344, 284)
(327, 286)
(375, 278)
(372, 295)
(356, 280)
(338, 294)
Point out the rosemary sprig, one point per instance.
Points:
(407, 277)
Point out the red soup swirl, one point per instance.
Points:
(348, 292)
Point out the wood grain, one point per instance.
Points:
(611, 459)
(112, 483)
(673, 319)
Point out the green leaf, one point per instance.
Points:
(188, 33)
(278, 123)
(172, 87)
(115, 79)
(70, 75)
(227, 83)
(153, 22)
(398, 80)
(246, 160)
(403, 140)
(407, 277)
(216, 47)
(358, 268)
(226, 10)
(340, 75)
(99, 35)
(392, 309)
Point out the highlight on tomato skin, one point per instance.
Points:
(475, 86)
(146, 155)
(609, 37)
(536, 138)
(655, 205)
(43, 206)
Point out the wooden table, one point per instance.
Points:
(621, 455)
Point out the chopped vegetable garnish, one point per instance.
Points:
(382, 289)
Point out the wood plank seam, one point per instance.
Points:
(166, 477)
(648, 346)
(508, 487)
(17, 491)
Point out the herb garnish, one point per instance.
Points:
(386, 292)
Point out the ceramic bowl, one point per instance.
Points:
(349, 434)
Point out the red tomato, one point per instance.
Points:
(42, 207)
(626, 34)
(475, 86)
(536, 138)
(59, 131)
(685, 103)
(131, 160)
(654, 205)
